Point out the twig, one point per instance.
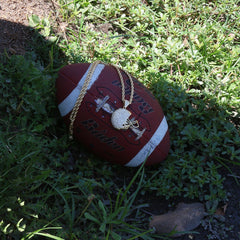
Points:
(231, 175)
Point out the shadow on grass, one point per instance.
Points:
(28, 132)
(204, 158)
(17, 39)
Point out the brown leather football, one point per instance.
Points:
(94, 124)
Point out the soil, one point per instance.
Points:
(14, 31)
(15, 36)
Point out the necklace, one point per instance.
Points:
(80, 98)
(120, 117)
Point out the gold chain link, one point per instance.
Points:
(123, 86)
(80, 97)
(84, 90)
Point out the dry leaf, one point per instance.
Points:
(186, 217)
(220, 212)
(185, 42)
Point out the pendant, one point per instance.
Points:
(120, 118)
(126, 103)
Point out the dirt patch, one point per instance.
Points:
(14, 33)
(18, 10)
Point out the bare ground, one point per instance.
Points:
(14, 31)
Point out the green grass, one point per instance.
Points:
(187, 53)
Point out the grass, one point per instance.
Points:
(187, 53)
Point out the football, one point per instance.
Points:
(112, 114)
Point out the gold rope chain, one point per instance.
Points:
(125, 102)
(84, 90)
